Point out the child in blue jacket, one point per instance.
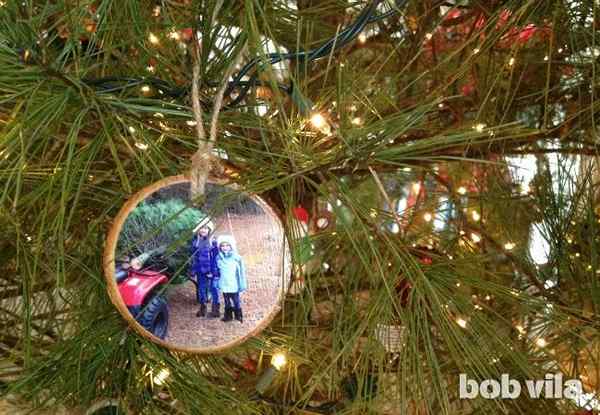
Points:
(232, 280)
(204, 252)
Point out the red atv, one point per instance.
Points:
(142, 290)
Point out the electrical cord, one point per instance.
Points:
(343, 38)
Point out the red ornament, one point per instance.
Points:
(301, 214)
(187, 34)
(249, 365)
(468, 88)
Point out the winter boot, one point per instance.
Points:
(227, 314)
(238, 314)
(215, 310)
(202, 311)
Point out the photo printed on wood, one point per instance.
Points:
(198, 277)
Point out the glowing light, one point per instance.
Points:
(479, 127)
(548, 284)
(145, 89)
(520, 329)
(427, 217)
(161, 376)
(541, 342)
(150, 68)
(320, 123)
(279, 360)
(131, 129)
(475, 238)
(174, 35)
(546, 58)
(322, 223)
(362, 38)
(416, 187)
(509, 246)
(476, 216)
(326, 266)
(356, 121)
(395, 228)
(156, 11)
(461, 190)
(191, 123)
(141, 146)
(511, 61)
(461, 322)
(153, 39)
(428, 36)
(475, 51)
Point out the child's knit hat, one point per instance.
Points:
(227, 239)
(205, 222)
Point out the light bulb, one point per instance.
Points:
(509, 246)
(161, 376)
(427, 217)
(541, 342)
(317, 120)
(278, 360)
(153, 39)
(461, 322)
(462, 190)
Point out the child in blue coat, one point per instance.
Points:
(204, 266)
(232, 280)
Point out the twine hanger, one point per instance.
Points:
(203, 160)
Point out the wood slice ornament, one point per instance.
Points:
(169, 280)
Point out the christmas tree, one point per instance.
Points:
(434, 163)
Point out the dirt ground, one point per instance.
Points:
(259, 241)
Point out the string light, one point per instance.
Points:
(541, 342)
(475, 51)
(141, 146)
(150, 68)
(428, 36)
(356, 121)
(174, 35)
(320, 123)
(161, 376)
(131, 129)
(145, 89)
(511, 62)
(461, 322)
(279, 360)
(509, 246)
(191, 123)
(476, 216)
(156, 11)
(427, 217)
(153, 39)
(479, 127)
(362, 38)
(475, 238)
(416, 187)
(462, 190)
